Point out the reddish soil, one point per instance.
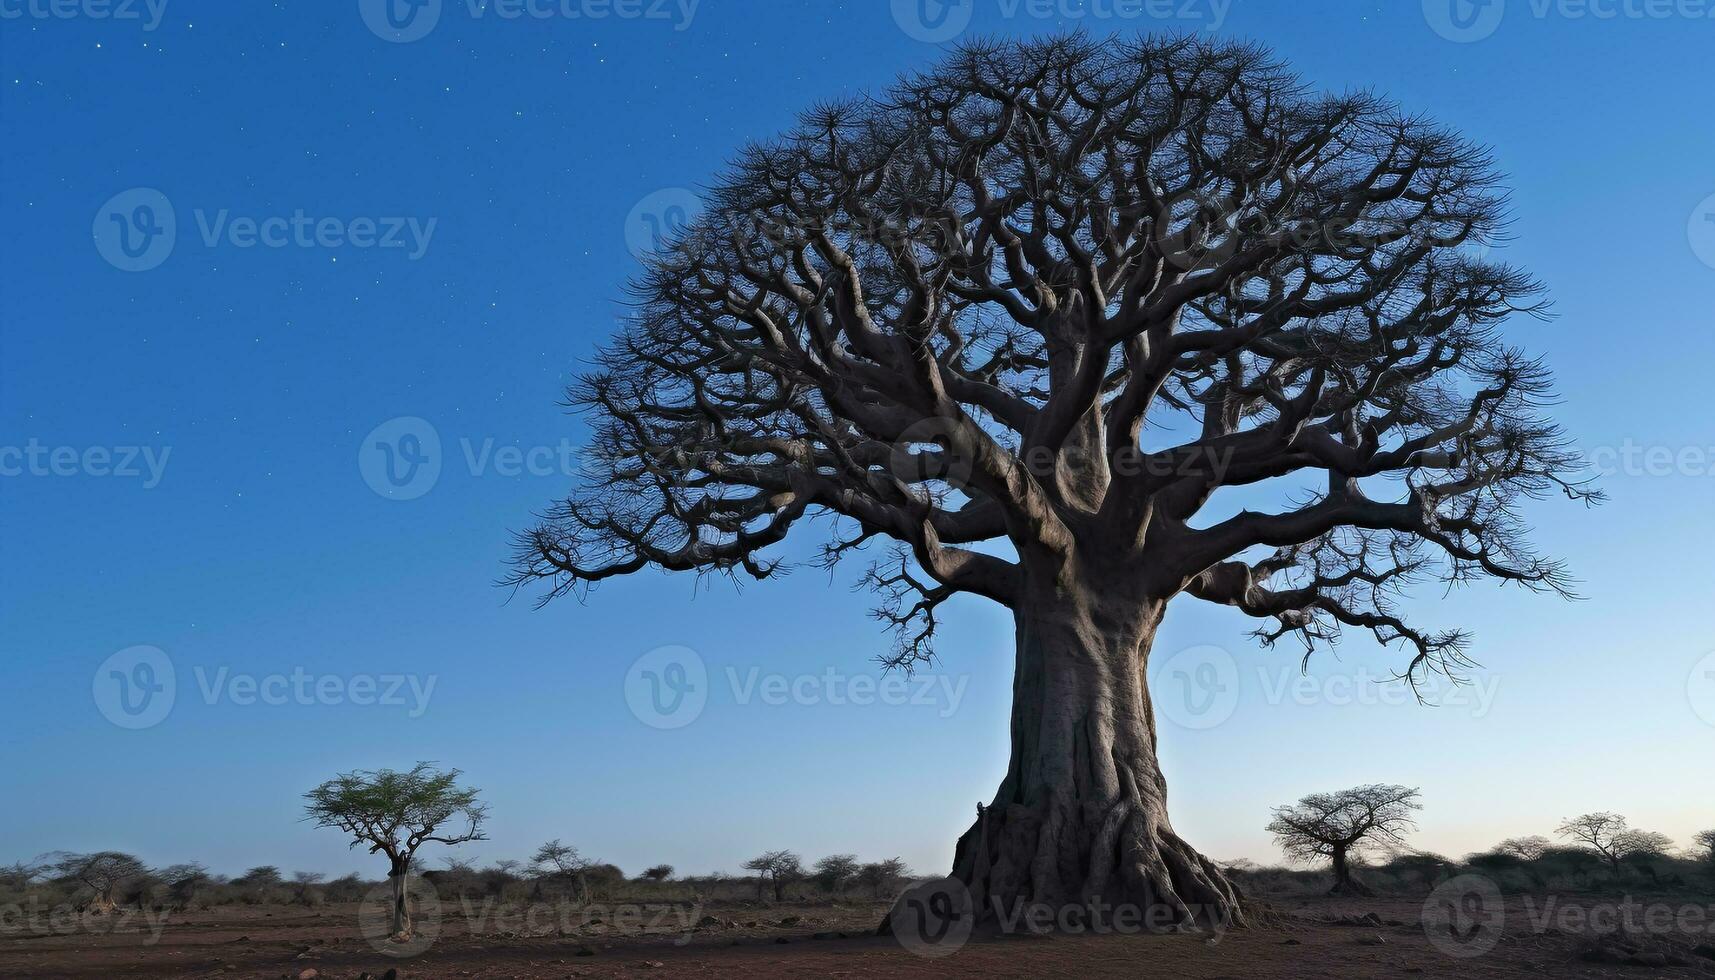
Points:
(1303, 940)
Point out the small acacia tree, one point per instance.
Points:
(395, 813)
(1608, 835)
(183, 881)
(555, 861)
(881, 877)
(1339, 826)
(776, 868)
(104, 873)
(1033, 315)
(834, 871)
(1705, 839)
(659, 873)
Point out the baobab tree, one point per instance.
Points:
(395, 813)
(1025, 316)
(1342, 825)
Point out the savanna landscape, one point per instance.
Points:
(1100, 361)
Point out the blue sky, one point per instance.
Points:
(453, 218)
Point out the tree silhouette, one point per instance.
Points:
(776, 868)
(1025, 316)
(562, 862)
(1339, 826)
(102, 872)
(1706, 840)
(1608, 835)
(834, 871)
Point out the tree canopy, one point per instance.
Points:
(1039, 304)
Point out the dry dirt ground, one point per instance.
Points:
(1322, 938)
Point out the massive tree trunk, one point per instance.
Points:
(1081, 818)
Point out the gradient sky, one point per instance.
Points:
(541, 148)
